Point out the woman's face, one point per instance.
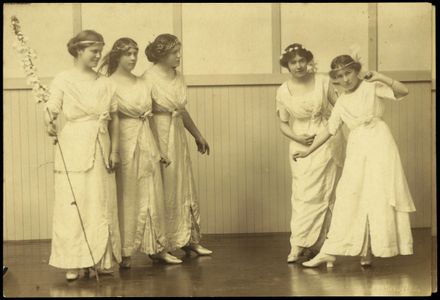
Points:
(298, 66)
(347, 78)
(91, 55)
(173, 58)
(128, 60)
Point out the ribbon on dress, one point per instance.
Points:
(149, 153)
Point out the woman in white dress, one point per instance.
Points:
(170, 120)
(303, 106)
(373, 201)
(89, 142)
(139, 183)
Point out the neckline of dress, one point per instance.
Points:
(162, 76)
(356, 90)
(134, 85)
(77, 76)
(305, 94)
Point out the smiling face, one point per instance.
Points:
(128, 59)
(347, 78)
(298, 66)
(91, 55)
(173, 58)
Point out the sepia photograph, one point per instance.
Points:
(219, 149)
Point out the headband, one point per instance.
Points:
(340, 67)
(125, 48)
(88, 42)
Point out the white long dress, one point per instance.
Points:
(85, 142)
(140, 190)
(314, 177)
(373, 200)
(181, 203)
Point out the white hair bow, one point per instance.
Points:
(354, 52)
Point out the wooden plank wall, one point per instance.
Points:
(243, 186)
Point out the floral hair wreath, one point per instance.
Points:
(311, 65)
(163, 48)
(290, 49)
(125, 48)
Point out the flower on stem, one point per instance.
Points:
(40, 91)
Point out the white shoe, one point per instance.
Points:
(166, 257)
(197, 248)
(292, 258)
(320, 259)
(295, 254)
(72, 274)
(366, 261)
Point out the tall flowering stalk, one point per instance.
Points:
(41, 93)
(28, 55)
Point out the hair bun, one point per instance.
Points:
(150, 53)
(71, 46)
(161, 46)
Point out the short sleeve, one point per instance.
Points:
(385, 92)
(154, 93)
(335, 120)
(55, 102)
(111, 89)
(281, 110)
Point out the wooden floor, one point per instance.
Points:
(242, 265)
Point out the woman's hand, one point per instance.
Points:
(52, 129)
(300, 154)
(372, 76)
(114, 160)
(164, 160)
(305, 139)
(202, 145)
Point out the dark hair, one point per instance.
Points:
(161, 47)
(79, 41)
(343, 61)
(111, 59)
(291, 51)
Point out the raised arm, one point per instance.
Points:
(399, 89)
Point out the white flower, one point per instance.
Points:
(22, 49)
(41, 92)
(311, 67)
